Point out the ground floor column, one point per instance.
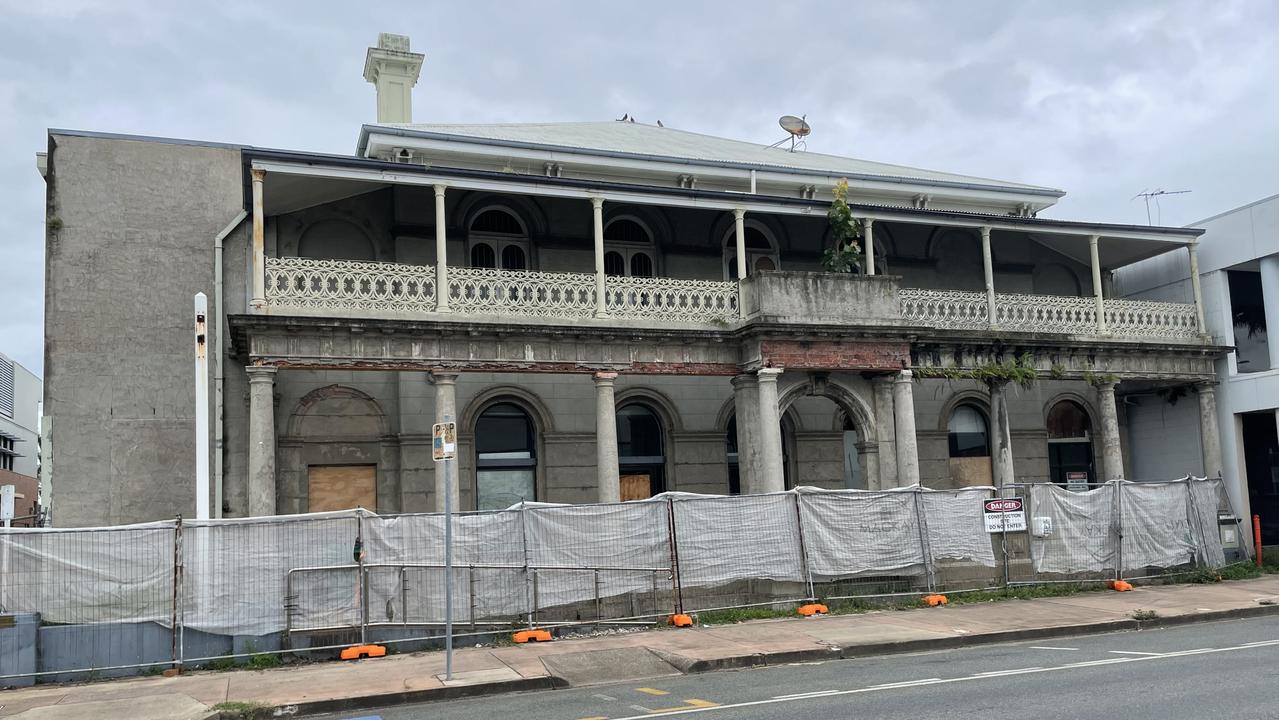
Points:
(445, 411)
(885, 429)
(1208, 432)
(904, 416)
(1112, 459)
(746, 415)
(607, 472)
(261, 441)
(1001, 446)
(772, 472)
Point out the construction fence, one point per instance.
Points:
(111, 600)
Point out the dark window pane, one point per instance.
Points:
(756, 239)
(641, 265)
(1067, 420)
(968, 433)
(731, 440)
(639, 432)
(482, 256)
(504, 432)
(497, 221)
(513, 258)
(614, 263)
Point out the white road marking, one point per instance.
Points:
(642, 709)
(1049, 647)
(1133, 652)
(796, 696)
(969, 678)
(997, 673)
(602, 696)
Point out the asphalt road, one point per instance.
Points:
(1214, 670)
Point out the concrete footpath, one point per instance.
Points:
(339, 686)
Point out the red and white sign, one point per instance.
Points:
(1004, 515)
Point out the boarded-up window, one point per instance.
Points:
(342, 487)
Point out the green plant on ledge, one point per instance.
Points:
(1098, 379)
(846, 230)
(1020, 370)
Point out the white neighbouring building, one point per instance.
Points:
(1239, 273)
(20, 392)
(609, 310)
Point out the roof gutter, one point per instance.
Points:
(366, 130)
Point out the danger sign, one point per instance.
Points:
(1004, 515)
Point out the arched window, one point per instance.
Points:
(498, 238)
(761, 250)
(630, 248)
(513, 258)
(1070, 457)
(505, 457)
(482, 256)
(968, 433)
(614, 263)
(734, 470)
(640, 451)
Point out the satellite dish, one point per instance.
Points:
(796, 126)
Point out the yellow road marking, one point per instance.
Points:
(689, 704)
(596, 717)
(652, 691)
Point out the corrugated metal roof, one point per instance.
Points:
(641, 139)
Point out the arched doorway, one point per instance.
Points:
(1070, 454)
(761, 250)
(640, 451)
(497, 238)
(505, 457)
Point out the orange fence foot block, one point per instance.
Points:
(524, 636)
(681, 620)
(1120, 586)
(935, 600)
(813, 609)
(359, 651)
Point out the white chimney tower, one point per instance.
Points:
(394, 71)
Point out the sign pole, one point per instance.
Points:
(443, 451)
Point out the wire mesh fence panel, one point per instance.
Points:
(1209, 504)
(1155, 523)
(415, 595)
(101, 598)
(863, 543)
(324, 598)
(235, 572)
(736, 551)
(627, 542)
(479, 538)
(960, 548)
(1080, 538)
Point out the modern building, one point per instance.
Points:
(20, 393)
(1239, 273)
(608, 310)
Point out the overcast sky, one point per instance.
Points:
(1101, 99)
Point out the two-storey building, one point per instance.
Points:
(608, 310)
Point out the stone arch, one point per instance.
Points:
(956, 255)
(845, 398)
(340, 400)
(1094, 416)
(652, 219)
(977, 398)
(530, 402)
(661, 404)
(335, 238)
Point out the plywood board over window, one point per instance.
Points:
(636, 487)
(342, 487)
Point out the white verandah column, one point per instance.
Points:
(988, 269)
(597, 219)
(1196, 288)
(1096, 283)
(739, 221)
(259, 243)
(868, 231)
(441, 255)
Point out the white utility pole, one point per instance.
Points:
(201, 407)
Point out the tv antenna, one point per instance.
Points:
(1148, 195)
(797, 129)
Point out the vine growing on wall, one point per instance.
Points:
(1020, 370)
(846, 254)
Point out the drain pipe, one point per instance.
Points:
(219, 355)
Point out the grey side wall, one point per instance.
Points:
(130, 243)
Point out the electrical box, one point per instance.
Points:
(1041, 527)
(1228, 528)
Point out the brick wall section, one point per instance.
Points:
(835, 355)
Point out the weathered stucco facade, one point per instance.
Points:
(607, 310)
